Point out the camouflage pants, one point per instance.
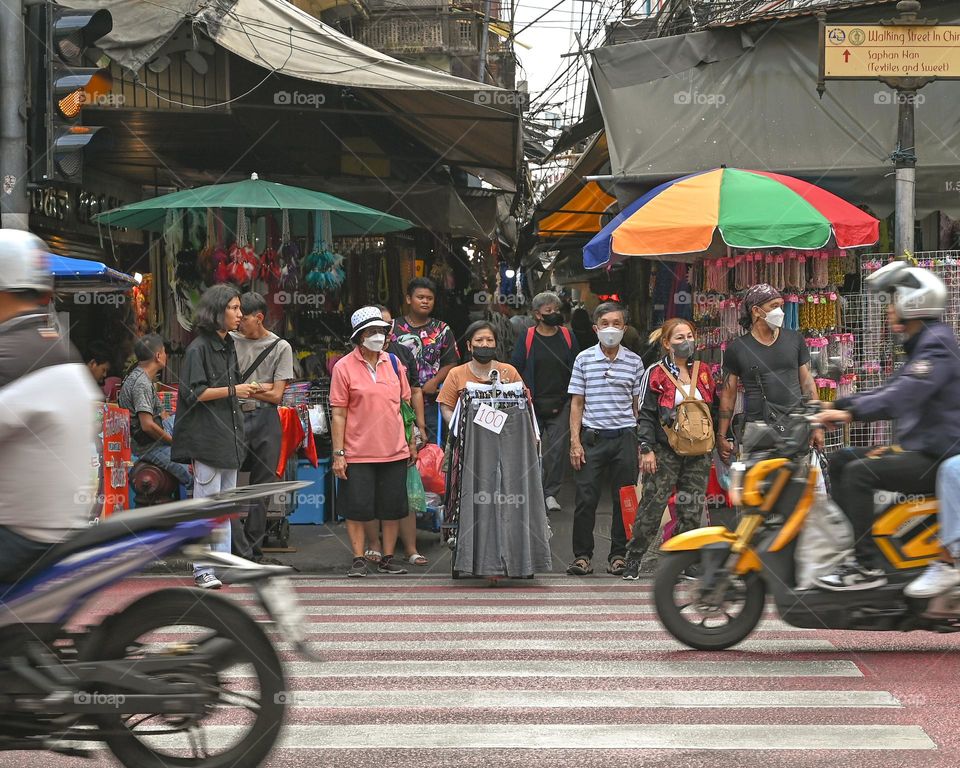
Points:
(688, 475)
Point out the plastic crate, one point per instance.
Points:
(310, 504)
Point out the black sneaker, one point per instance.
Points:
(389, 567)
(358, 569)
(631, 571)
(851, 576)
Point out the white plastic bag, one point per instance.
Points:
(318, 420)
(826, 538)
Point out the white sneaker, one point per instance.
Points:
(207, 581)
(939, 577)
(552, 504)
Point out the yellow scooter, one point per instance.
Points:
(711, 584)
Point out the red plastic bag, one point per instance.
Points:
(430, 467)
(629, 502)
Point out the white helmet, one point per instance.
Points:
(918, 294)
(24, 262)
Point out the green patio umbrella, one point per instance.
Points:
(346, 218)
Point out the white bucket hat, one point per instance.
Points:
(366, 317)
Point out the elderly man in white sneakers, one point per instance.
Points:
(942, 575)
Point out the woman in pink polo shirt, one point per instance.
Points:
(370, 450)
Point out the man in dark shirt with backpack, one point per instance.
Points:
(544, 355)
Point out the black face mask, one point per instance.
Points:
(554, 318)
(484, 355)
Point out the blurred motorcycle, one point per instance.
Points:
(711, 585)
(180, 677)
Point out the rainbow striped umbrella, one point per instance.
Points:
(698, 214)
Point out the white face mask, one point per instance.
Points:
(375, 343)
(610, 337)
(774, 318)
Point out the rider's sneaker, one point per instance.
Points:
(939, 577)
(631, 571)
(207, 581)
(850, 576)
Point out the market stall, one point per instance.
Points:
(284, 242)
(717, 233)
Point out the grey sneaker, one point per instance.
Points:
(358, 569)
(207, 581)
(552, 504)
(391, 568)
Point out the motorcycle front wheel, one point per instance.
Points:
(688, 612)
(245, 683)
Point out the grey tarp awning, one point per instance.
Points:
(654, 59)
(466, 123)
(671, 112)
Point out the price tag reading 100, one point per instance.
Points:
(490, 418)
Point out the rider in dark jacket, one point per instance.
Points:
(922, 400)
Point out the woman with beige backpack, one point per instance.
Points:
(675, 430)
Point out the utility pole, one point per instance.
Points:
(905, 165)
(905, 156)
(14, 206)
(484, 40)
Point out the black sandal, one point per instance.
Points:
(580, 567)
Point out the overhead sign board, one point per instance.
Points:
(870, 52)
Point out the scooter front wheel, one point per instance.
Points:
(695, 617)
(242, 677)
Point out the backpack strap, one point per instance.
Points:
(393, 362)
(529, 342)
(260, 358)
(563, 330)
(676, 382)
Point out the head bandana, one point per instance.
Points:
(759, 294)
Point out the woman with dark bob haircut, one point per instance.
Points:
(481, 340)
(208, 431)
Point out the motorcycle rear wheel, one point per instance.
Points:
(747, 592)
(126, 634)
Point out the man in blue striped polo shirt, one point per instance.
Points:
(604, 390)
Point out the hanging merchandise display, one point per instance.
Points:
(289, 258)
(141, 297)
(494, 508)
(323, 269)
(810, 283)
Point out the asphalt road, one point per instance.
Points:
(425, 671)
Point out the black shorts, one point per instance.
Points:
(375, 491)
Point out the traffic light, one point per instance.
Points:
(62, 86)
